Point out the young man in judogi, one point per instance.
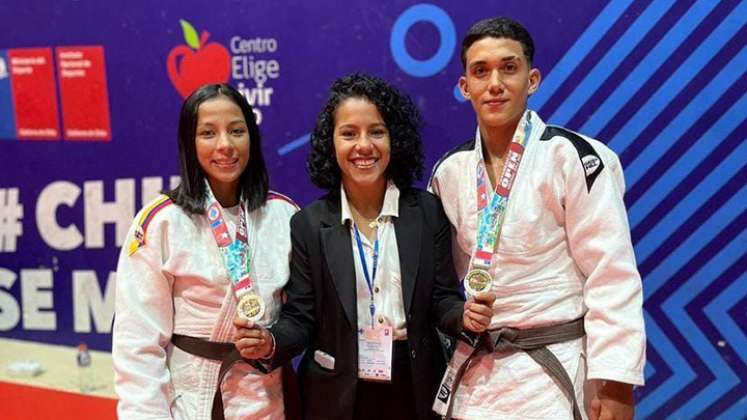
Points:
(539, 220)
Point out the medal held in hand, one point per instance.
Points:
(236, 259)
(251, 307)
(478, 281)
(492, 210)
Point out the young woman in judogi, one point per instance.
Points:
(219, 241)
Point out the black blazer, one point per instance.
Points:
(321, 314)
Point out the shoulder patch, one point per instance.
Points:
(145, 218)
(274, 195)
(590, 160)
(464, 147)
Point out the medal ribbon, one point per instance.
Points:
(492, 214)
(369, 278)
(234, 252)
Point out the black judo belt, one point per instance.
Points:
(226, 353)
(533, 341)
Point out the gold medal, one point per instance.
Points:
(477, 281)
(251, 307)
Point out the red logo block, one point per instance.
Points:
(84, 94)
(34, 93)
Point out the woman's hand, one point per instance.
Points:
(252, 340)
(478, 311)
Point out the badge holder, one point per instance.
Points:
(375, 350)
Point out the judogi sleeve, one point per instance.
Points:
(600, 243)
(143, 324)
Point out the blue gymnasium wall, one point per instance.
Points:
(661, 82)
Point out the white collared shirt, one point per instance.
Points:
(387, 286)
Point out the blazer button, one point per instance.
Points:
(412, 353)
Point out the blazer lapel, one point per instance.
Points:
(339, 256)
(408, 227)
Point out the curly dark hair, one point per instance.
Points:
(401, 118)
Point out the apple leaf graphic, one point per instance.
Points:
(190, 34)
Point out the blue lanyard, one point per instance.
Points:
(369, 279)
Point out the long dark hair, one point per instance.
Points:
(253, 183)
(401, 118)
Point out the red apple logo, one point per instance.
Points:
(190, 68)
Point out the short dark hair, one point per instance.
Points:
(253, 183)
(499, 27)
(401, 118)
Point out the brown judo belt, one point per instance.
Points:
(534, 342)
(226, 353)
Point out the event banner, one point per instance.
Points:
(90, 94)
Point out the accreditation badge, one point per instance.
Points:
(375, 353)
(478, 281)
(251, 307)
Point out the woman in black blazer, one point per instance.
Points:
(373, 256)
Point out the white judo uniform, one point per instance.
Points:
(564, 252)
(176, 283)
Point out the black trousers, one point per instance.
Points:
(388, 401)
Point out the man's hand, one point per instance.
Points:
(614, 401)
(478, 310)
(252, 340)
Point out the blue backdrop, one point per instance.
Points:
(661, 82)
